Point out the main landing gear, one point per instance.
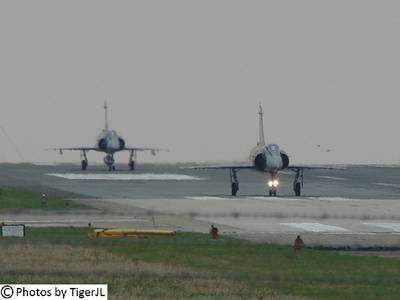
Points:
(132, 159)
(84, 161)
(273, 183)
(298, 182)
(234, 182)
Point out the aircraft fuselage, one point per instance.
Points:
(269, 158)
(110, 142)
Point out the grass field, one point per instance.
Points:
(17, 199)
(192, 266)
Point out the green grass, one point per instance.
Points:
(307, 273)
(18, 199)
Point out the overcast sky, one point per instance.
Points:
(188, 76)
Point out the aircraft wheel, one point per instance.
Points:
(270, 193)
(274, 193)
(297, 189)
(234, 188)
(132, 166)
(84, 165)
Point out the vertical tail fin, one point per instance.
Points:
(261, 139)
(105, 115)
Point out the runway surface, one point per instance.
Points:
(361, 182)
(357, 206)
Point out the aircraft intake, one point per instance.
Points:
(260, 162)
(121, 144)
(285, 160)
(102, 144)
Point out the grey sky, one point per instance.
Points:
(188, 75)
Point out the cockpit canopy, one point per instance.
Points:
(272, 148)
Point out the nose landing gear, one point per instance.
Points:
(109, 161)
(273, 184)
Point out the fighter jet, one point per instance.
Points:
(109, 142)
(265, 158)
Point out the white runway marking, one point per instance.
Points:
(49, 164)
(243, 198)
(332, 199)
(391, 226)
(267, 198)
(333, 178)
(273, 198)
(383, 166)
(145, 176)
(315, 227)
(387, 184)
(206, 198)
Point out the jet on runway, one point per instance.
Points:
(109, 142)
(266, 158)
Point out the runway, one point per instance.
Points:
(360, 182)
(356, 207)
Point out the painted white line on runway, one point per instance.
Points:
(391, 226)
(332, 199)
(207, 198)
(315, 227)
(387, 184)
(382, 166)
(333, 178)
(300, 198)
(145, 176)
(46, 164)
(273, 198)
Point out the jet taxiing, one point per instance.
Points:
(109, 142)
(266, 158)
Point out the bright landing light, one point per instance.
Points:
(273, 183)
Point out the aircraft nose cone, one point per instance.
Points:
(274, 164)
